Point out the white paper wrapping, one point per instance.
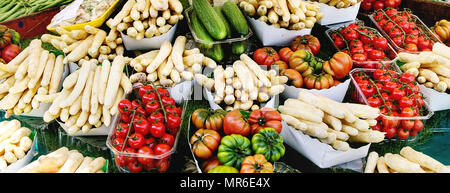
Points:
(437, 101)
(16, 166)
(148, 43)
(272, 36)
(334, 15)
(321, 154)
(208, 95)
(181, 91)
(337, 93)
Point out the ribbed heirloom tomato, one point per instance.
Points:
(235, 123)
(265, 56)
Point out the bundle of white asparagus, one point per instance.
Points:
(14, 142)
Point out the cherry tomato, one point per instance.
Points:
(410, 39)
(391, 12)
(156, 117)
(376, 127)
(397, 94)
(120, 160)
(136, 140)
(152, 107)
(407, 124)
(161, 149)
(173, 122)
(167, 139)
(121, 130)
(136, 103)
(144, 155)
(374, 102)
(390, 121)
(405, 102)
(386, 97)
(380, 43)
(411, 47)
(125, 118)
(418, 125)
(134, 167)
(149, 97)
(150, 142)
(390, 86)
(407, 77)
(163, 92)
(377, 73)
(424, 43)
(390, 132)
(397, 3)
(366, 5)
(157, 129)
(339, 42)
(398, 40)
(359, 57)
(129, 158)
(376, 54)
(384, 79)
(356, 50)
(350, 34)
(396, 32)
(378, 5)
(162, 165)
(167, 101)
(118, 143)
(142, 126)
(407, 112)
(402, 133)
(125, 107)
(146, 89)
(355, 43)
(413, 133)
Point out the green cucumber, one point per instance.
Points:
(218, 10)
(235, 17)
(216, 52)
(238, 47)
(200, 31)
(209, 18)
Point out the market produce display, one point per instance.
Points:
(404, 30)
(331, 122)
(242, 86)
(15, 142)
(92, 44)
(370, 5)
(442, 30)
(407, 161)
(431, 68)
(146, 18)
(398, 97)
(339, 3)
(169, 65)
(9, 44)
(237, 141)
(10, 9)
(289, 14)
(86, 11)
(89, 96)
(64, 160)
(33, 72)
(364, 44)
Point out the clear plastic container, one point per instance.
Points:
(390, 52)
(225, 43)
(359, 97)
(418, 22)
(166, 157)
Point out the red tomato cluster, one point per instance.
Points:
(403, 30)
(363, 44)
(148, 126)
(369, 5)
(396, 96)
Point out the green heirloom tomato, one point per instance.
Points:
(223, 169)
(233, 149)
(269, 143)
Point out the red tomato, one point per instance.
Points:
(391, 12)
(357, 50)
(173, 122)
(161, 149)
(121, 130)
(407, 124)
(129, 158)
(407, 112)
(350, 34)
(384, 79)
(142, 126)
(407, 78)
(374, 102)
(134, 167)
(376, 127)
(389, 26)
(366, 5)
(355, 43)
(167, 101)
(125, 107)
(146, 89)
(162, 165)
(368, 90)
(156, 117)
(368, 47)
(120, 160)
(405, 102)
(390, 86)
(402, 133)
(10, 52)
(390, 132)
(380, 43)
(149, 97)
(413, 133)
(378, 5)
(389, 121)
(376, 54)
(359, 57)
(418, 125)
(167, 139)
(144, 155)
(424, 43)
(151, 142)
(386, 97)
(339, 42)
(405, 25)
(118, 143)
(397, 3)
(411, 47)
(397, 94)
(163, 92)
(152, 107)
(398, 40)
(396, 32)
(157, 129)
(136, 140)
(266, 56)
(410, 39)
(285, 53)
(125, 118)
(378, 73)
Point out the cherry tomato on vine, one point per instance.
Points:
(167, 139)
(405, 102)
(359, 57)
(374, 101)
(407, 124)
(411, 47)
(135, 167)
(378, 5)
(418, 125)
(136, 140)
(156, 117)
(125, 107)
(397, 94)
(402, 133)
(146, 152)
(407, 77)
(157, 129)
(149, 97)
(390, 132)
(121, 130)
(380, 43)
(146, 89)
(407, 112)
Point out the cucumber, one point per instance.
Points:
(216, 52)
(218, 10)
(235, 17)
(238, 47)
(209, 18)
(200, 31)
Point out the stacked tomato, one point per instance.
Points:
(397, 96)
(369, 5)
(147, 130)
(363, 44)
(402, 28)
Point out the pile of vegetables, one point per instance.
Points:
(432, 69)
(289, 14)
(89, 96)
(243, 84)
(339, 3)
(146, 133)
(64, 160)
(331, 122)
(224, 22)
(237, 141)
(363, 44)
(146, 18)
(170, 64)
(397, 96)
(15, 142)
(32, 73)
(442, 30)
(89, 44)
(10, 9)
(404, 30)
(407, 161)
(370, 5)
(303, 69)
(9, 41)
